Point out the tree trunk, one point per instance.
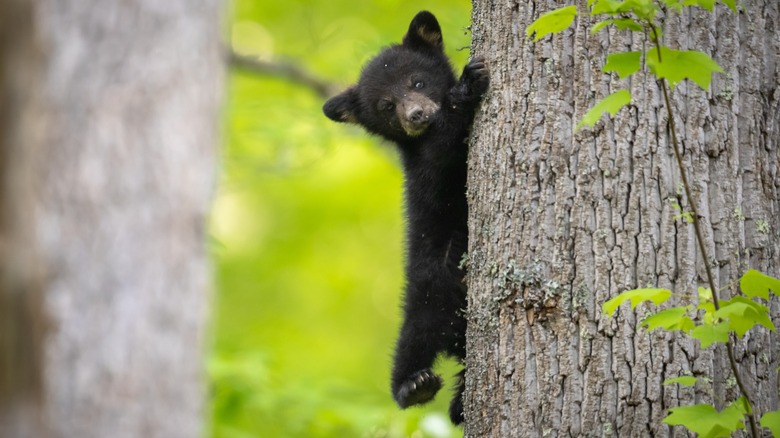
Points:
(21, 304)
(122, 177)
(560, 222)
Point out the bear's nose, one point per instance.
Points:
(415, 114)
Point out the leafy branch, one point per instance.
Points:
(720, 319)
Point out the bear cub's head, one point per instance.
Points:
(402, 91)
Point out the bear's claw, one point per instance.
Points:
(420, 388)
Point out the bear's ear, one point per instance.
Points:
(342, 107)
(424, 33)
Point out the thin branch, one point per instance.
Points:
(700, 238)
(282, 69)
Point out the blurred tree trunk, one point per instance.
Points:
(562, 221)
(21, 305)
(108, 166)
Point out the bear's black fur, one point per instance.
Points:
(409, 95)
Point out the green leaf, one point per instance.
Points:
(755, 284)
(676, 4)
(642, 9)
(645, 10)
(637, 296)
(743, 313)
(686, 216)
(731, 4)
(771, 420)
(710, 334)
(706, 304)
(625, 64)
(604, 6)
(706, 4)
(675, 318)
(620, 23)
(742, 405)
(552, 22)
(676, 65)
(611, 104)
(682, 380)
(709, 312)
(706, 421)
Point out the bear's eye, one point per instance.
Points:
(419, 84)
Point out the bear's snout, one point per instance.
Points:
(416, 112)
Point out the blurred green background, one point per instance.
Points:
(307, 233)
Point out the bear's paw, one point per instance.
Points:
(419, 388)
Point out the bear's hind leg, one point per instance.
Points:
(456, 405)
(413, 380)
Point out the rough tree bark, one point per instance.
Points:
(123, 152)
(561, 222)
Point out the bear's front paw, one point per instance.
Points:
(419, 388)
(475, 78)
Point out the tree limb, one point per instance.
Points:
(286, 70)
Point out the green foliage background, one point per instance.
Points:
(307, 231)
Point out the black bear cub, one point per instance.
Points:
(409, 95)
